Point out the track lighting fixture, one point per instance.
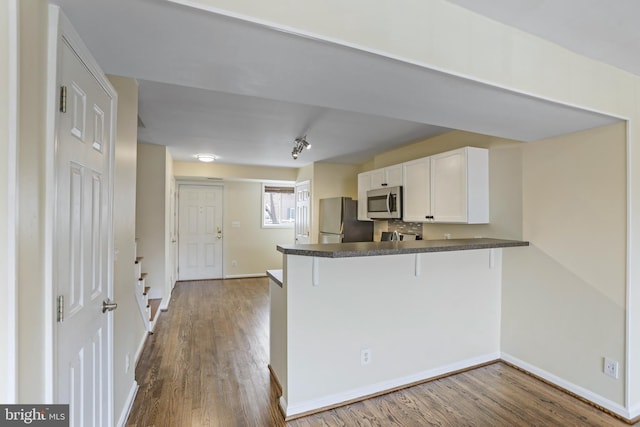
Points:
(299, 145)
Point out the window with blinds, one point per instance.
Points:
(279, 205)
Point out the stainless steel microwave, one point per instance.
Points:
(384, 203)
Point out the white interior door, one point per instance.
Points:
(303, 212)
(174, 232)
(82, 235)
(200, 232)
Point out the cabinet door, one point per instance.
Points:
(364, 185)
(378, 178)
(449, 186)
(393, 175)
(417, 190)
(390, 176)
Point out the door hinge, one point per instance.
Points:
(60, 310)
(63, 99)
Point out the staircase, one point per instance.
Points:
(148, 307)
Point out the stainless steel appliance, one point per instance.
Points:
(339, 222)
(384, 203)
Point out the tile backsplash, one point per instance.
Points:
(405, 227)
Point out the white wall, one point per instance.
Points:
(564, 296)
(8, 127)
(416, 327)
(169, 260)
(129, 331)
(190, 170)
(151, 215)
(32, 347)
(252, 247)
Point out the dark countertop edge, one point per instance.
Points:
(362, 249)
(276, 276)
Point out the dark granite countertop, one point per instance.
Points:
(361, 249)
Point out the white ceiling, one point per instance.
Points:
(606, 30)
(244, 92)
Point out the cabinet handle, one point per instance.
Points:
(384, 185)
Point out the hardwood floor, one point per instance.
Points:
(206, 365)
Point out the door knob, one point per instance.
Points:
(219, 233)
(108, 305)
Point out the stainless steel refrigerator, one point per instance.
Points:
(339, 222)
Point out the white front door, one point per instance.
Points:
(82, 236)
(303, 212)
(199, 232)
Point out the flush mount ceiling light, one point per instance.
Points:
(298, 145)
(207, 158)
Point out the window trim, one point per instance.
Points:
(282, 184)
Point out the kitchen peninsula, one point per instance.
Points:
(353, 320)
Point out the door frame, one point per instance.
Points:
(310, 213)
(216, 183)
(8, 295)
(61, 31)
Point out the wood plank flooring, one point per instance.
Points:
(206, 365)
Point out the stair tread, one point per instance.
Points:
(138, 259)
(146, 290)
(155, 304)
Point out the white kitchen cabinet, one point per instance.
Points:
(364, 185)
(460, 186)
(390, 176)
(450, 187)
(416, 190)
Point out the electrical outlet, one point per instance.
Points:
(365, 356)
(611, 368)
(447, 236)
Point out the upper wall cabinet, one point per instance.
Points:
(450, 187)
(364, 185)
(416, 191)
(390, 176)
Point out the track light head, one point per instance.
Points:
(300, 144)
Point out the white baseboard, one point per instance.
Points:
(164, 304)
(128, 404)
(361, 393)
(242, 276)
(634, 412)
(573, 388)
(283, 404)
(141, 346)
